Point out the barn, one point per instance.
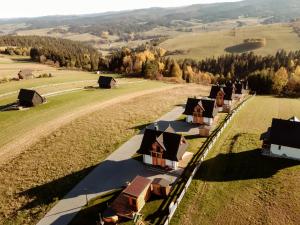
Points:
(30, 98)
(107, 82)
(25, 74)
(163, 148)
(200, 111)
(133, 197)
(282, 138)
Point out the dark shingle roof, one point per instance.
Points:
(137, 186)
(228, 93)
(171, 142)
(238, 88)
(214, 91)
(285, 133)
(105, 81)
(207, 104)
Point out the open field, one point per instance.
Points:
(209, 44)
(235, 184)
(42, 174)
(18, 127)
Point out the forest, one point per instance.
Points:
(273, 74)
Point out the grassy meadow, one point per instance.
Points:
(213, 43)
(33, 181)
(236, 184)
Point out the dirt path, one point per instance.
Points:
(14, 148)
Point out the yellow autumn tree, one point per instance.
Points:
(280, 80)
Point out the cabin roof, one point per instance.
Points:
(170, 141)
(238, 88)
(137, 186)
(162, 182)
(207, 104)
(27, 95)
(228, 92)
(214, 91)
(285, 133)
(105, 80)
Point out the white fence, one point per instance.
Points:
(211, 141)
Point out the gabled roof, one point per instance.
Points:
(27, 95)
(170, 141)
(285, 133)
(105, 80)
(228, 93)
(137, 186)
(214, 91)
(207, 104)
(238, 88)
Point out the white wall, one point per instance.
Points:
(208, 121)
(147, 159)
(288, 151)
(227, 102)
(189, 119)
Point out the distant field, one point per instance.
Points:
(235, 184)
(208, 44)
(33, 181)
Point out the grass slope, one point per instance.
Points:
(15, 123)
(236, 185)
(209, 44)
(32, 182)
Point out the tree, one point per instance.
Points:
(176, 71)
(280, 80)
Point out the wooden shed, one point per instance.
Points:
(30, 98)
(26, 74)
(161, 187)
(205, 130)
(107, 82)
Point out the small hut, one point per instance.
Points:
(25, 74)
(205, 130)
(161, 187)
(30, 98)
(107, 82)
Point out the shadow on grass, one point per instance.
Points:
(241, 48)
(50, 192)
(242, 166)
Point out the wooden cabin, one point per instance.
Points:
(25, 74)
(133, 198)
(107, 82)
(200, 111)
(30, 98)
(282, 139)
(205, 130)
(163, 148)
(161, 187)
(218, 94)
(238, 90)
(228, 98)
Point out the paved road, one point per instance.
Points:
(112, 173)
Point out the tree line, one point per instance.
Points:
(53, 51)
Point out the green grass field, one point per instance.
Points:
(209, 44)
(236, 184)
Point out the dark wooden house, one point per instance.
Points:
(200, 111)
(163, 148)
(282, 138)
(30, 98)
(107, 82)
(217, 93)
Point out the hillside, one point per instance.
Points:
(147, 19)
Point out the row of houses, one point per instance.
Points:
(166, 150)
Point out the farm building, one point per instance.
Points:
(25, 74)
(30, 98)
(107, 82)
(200, 111)
(282, 138)
(133, 197)
(163, 148)
(161, 187)
(223, 96)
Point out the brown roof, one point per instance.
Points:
(137, 186)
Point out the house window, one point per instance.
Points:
(279, 147)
